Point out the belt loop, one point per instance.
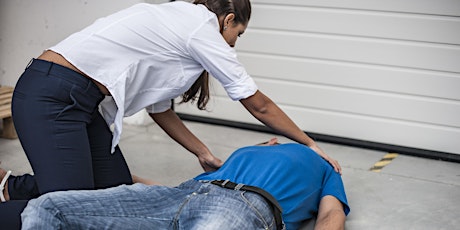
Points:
(30, 63)
(50, 65)
(238, 186)
(224, 183)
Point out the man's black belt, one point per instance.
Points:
(276, 208)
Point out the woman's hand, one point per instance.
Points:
(334, 163)
(209, 162)
(266, 111)
(175, 128)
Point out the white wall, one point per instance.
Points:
(380, 71)
(27, 27)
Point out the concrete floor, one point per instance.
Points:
(409, 193)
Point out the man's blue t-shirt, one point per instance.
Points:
(293, 173)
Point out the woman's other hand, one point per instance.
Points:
(334, 163)
(209, 162)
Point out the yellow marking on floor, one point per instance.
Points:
(383, 162)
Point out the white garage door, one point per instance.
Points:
(379, 71)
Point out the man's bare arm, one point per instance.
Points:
(330, 214)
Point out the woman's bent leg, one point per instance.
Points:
(10, 214)
(109, 169)
(22, 187)
(52, 107)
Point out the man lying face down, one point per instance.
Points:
(303, 184)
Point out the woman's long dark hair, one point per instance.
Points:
(242, 11)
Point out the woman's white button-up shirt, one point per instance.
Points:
(148, 54)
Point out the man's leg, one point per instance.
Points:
(213, 207)
(124, 207)
(330, 215)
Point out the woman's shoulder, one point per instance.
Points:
(188, 8)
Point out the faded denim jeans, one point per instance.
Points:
(191, 205)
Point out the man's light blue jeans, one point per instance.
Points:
(191, 205)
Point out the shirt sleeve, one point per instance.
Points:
(333, 185)
(159, 107)
(207, 46)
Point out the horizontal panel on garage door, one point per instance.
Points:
(352, 75)
(347, 49)
(360, 102)
(409, 134)
(438, 7)
(426, 28)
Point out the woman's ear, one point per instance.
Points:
(229, 19)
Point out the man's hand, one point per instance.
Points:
(209, 162)
(334, 163)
